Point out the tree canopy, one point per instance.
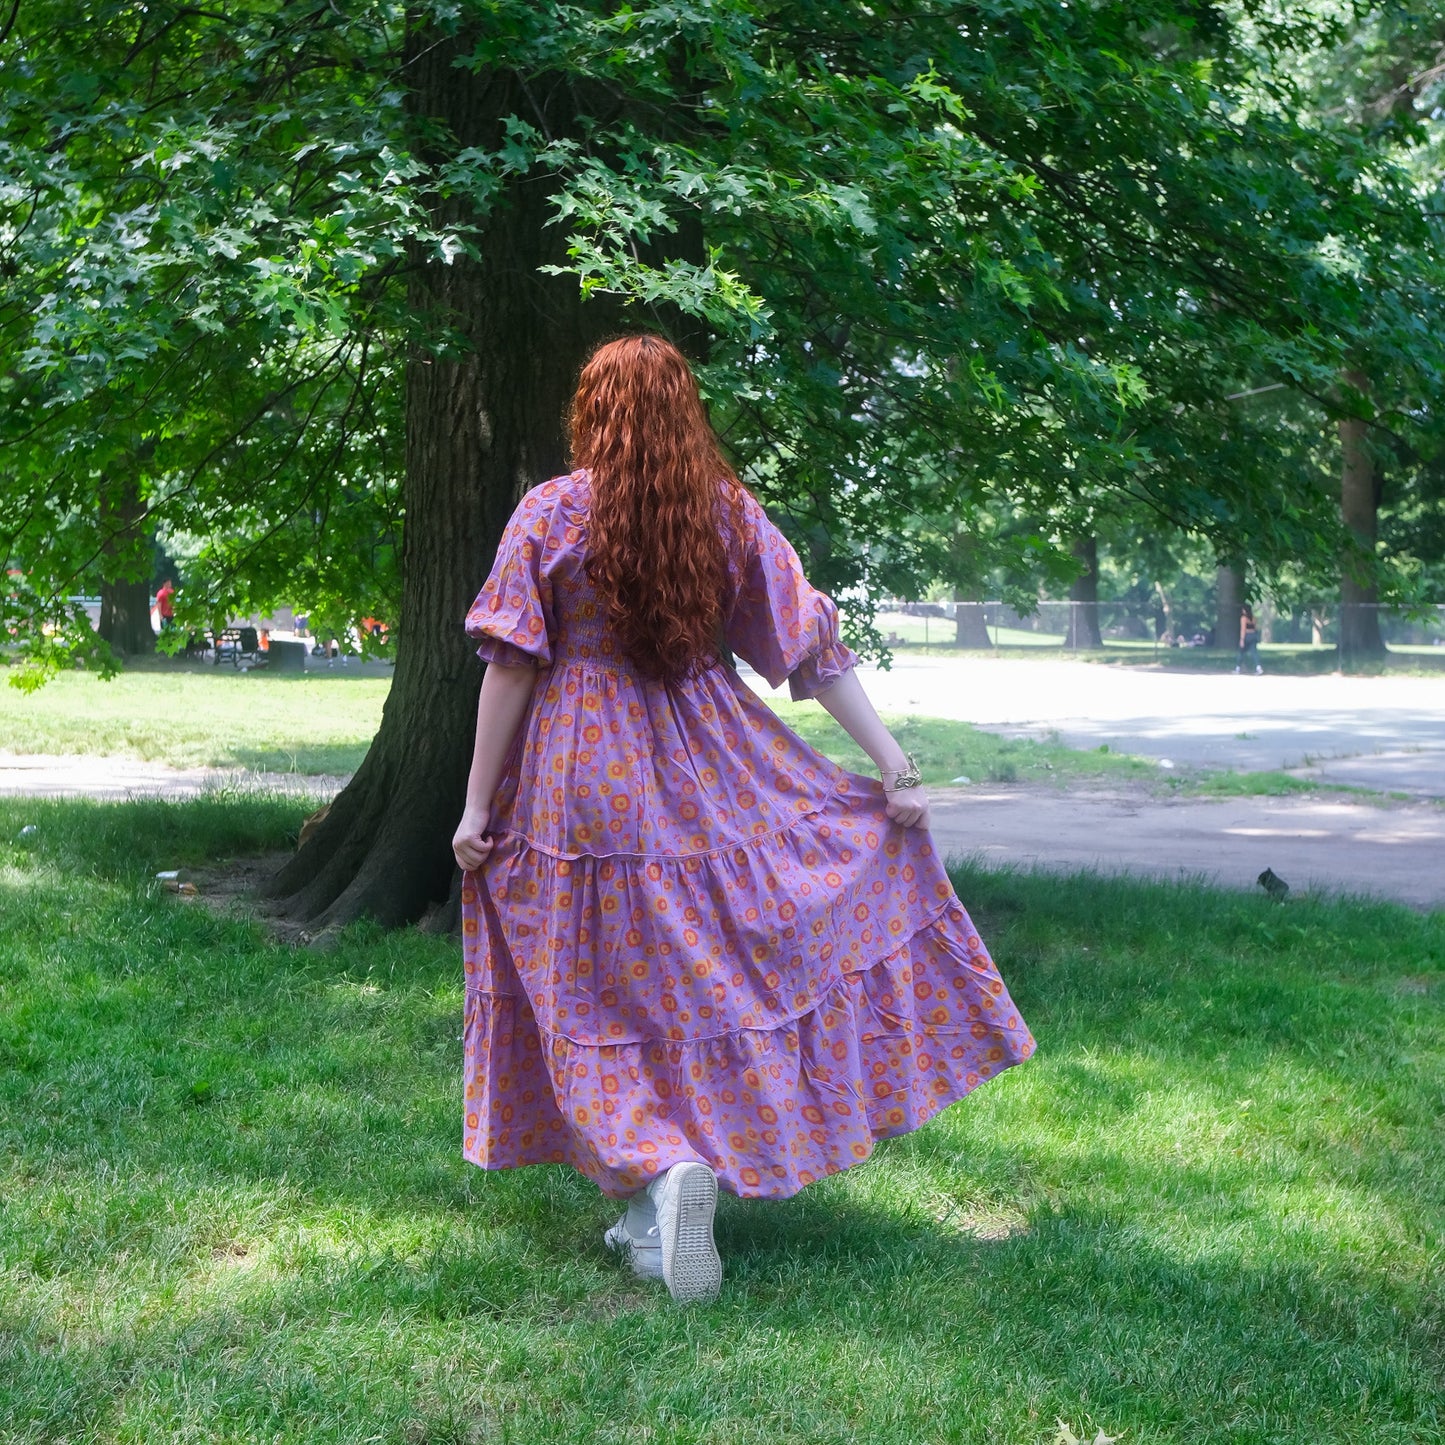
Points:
(298, 289)
(932, 257)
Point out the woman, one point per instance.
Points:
(1248, 639)
(697, 952)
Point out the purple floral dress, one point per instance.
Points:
(695, 937)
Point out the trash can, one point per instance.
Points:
(286, 657)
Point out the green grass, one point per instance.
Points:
(233, 1208)
(323, 725)
(940, 631)
(200, 718)
(1270, 784)
(946, 749)
(1287, 659)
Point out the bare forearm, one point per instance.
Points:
(506, 691)
(849, 704)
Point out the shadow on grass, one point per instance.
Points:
(234, 1205)
(121, 841)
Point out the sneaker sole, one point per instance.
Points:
(691, 1268)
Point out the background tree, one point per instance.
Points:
(1384, 80)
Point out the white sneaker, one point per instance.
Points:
(1236, 669)
(643, 1254)
(686, 1200)
(1258, 671)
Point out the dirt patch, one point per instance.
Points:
(233, 890)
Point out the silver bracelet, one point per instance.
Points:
(908, 777)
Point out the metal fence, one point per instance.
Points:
(1080, 626)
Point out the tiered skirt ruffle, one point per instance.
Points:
(771, 1008)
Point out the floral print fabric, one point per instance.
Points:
(696, 938)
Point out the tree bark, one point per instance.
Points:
(125, 617)
(1084, 597)
(1228, 600)
(969, 622)
(970, 626)
(1360, 639)
(1165, 609)
(125, 598)
(484, 422)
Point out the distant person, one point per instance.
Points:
(1248, 640)
(165, 605)
(698, 954)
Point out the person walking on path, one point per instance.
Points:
(1248, 640)
(698, 954)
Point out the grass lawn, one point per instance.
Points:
(233, 1206)
(200, 718)
(324, 724)
(946, 749)
(1285, 658)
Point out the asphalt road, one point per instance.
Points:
(1376, 732)
(1317, 843)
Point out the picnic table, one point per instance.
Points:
(238, 643)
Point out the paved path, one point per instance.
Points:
(1339, 846)
(113, 779)
(1376, 732)
(1316, 843)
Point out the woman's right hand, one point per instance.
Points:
(908, 806)
(471, 843)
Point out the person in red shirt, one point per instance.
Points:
(165, 606)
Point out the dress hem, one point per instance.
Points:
(730, 1183)
(860, 1063)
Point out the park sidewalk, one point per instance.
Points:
(1321, 841)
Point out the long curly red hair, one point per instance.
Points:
(660, 490)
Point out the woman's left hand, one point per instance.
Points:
(471, 843)
(908, 806)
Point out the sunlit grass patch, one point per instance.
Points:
(218, 718)
(947, 749)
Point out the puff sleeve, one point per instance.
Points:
(781, 625)
(512, 619)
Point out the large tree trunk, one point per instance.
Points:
(484, 423)
(1084, 597)
(125, 617)
(1360, 639)
(970, 625)
(1228, 601)
(127, 558)
(1166, 610)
